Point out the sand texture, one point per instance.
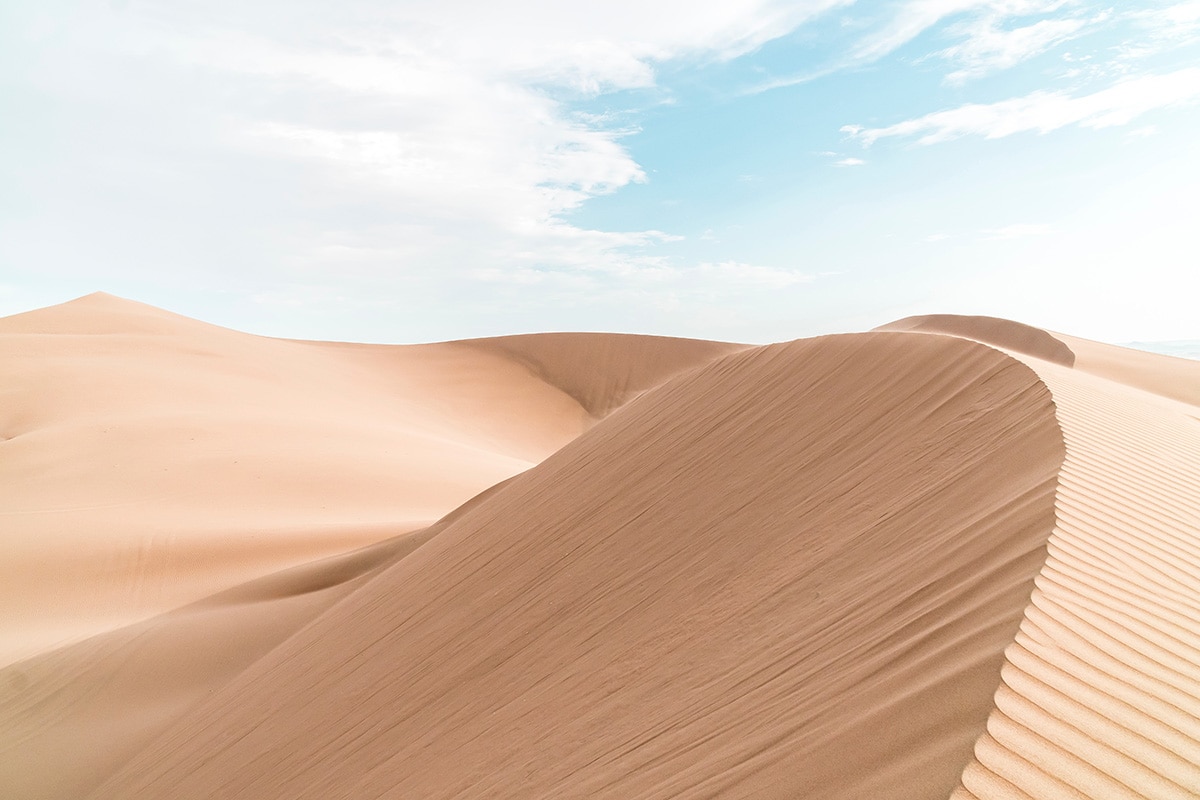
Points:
(954, 557)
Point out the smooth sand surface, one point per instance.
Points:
(150, 460)
(959, 556)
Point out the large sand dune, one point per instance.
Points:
(957, 556)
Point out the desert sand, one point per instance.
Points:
(951, 557)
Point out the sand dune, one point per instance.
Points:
(955, 557)
(648, 612)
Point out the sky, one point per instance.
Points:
(745, 170)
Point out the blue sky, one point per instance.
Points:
(745, 169)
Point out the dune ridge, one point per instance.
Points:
(1101, 689)
(610, 624)
(1011, 336)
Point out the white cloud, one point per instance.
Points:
(849, 162)
(387, 141)
(914, 17)
(990, 47)
(910, 21)
(1173, 24)
(1043, 111)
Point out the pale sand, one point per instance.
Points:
(150, 460)
(817, 569)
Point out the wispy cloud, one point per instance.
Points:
(1043, 111)
(911, 19)
(988, 40)
(989, 46)
(840, 160)
(1178, 23)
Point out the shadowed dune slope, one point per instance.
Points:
(1101, 689)
(790, 573)
(1014, 336)
(148, 460)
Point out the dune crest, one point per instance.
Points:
(1101, 689)
(1014, 336)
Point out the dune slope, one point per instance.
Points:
(792, 572)
(148, 460)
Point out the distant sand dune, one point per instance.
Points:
(151, 460)
(956, 557)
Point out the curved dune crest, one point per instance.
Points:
(1101, 689)
(1004, 333)
(792, 572)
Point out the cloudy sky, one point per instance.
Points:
(742, 169)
